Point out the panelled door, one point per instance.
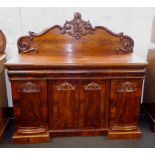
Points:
(125, 97)
(77, 104)
(63, 101)
(30, 106)
(92, 111)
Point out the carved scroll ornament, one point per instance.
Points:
(127, 43)
(127, 87)
(77, 27)
(24, 44)
(92, 86)
(65, 86)
(29, 87)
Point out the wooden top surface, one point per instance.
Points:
(76, 60)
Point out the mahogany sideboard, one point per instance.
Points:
(4, 120)
(76, 80)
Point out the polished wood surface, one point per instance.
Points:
(76, 80)
(53, 37)
(3, 97)
(149, 88)
(76, 36)
(67, 60)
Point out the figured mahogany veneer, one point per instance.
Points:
(75, 80)
(4, 120)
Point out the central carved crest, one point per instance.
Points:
(77, 27)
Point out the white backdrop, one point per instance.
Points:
(135, 22)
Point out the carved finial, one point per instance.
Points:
(77, 15)
(77, 27)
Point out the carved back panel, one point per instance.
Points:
(76, 36)
(2, 42)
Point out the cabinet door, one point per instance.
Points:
(30, 106)
(64, 105)
(92, 114)
(125, 100)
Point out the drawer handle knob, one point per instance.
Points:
(65, 86)
(127, 87)
(92, 86)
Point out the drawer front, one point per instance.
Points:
(76, 73)
(30, 106)
(125, 97)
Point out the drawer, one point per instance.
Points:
(77, 73)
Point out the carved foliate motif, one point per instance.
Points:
(92, 86)
(65, 86)
(29, 87)
(77, 27)
(127, 87)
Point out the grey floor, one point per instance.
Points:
(148, 140)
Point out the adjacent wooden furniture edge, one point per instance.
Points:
(3, 109)
(149, 89)
(2, 42)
